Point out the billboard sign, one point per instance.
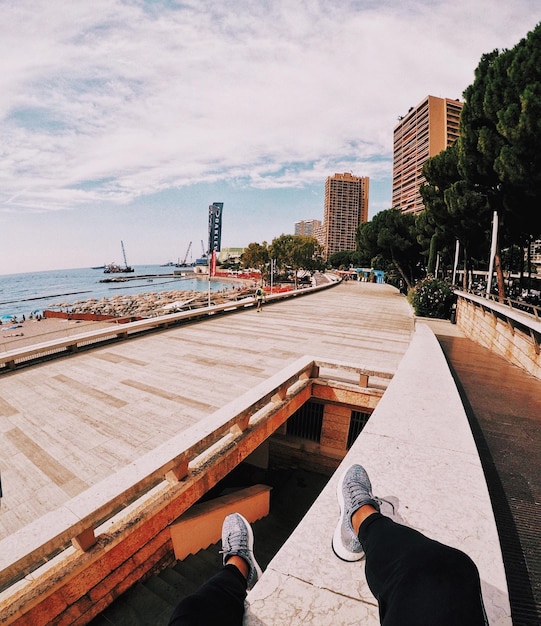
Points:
(215, 226)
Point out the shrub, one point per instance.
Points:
(431, 297)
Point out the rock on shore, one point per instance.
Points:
(151, 304)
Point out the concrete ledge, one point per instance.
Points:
(420, 454)
(171, 460)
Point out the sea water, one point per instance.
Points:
(32, 292)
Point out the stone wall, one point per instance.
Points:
(505, 331)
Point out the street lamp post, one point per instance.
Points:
(492, 252)
(455, 266)
(272, 263)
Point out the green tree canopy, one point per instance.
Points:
(296, 252)
(453, 210)
(495, 165)
(392, 235)
(500, 135)
(255, 256)
(348, 258)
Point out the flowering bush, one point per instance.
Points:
(431, 297)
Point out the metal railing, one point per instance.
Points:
(516, 319)
(520, 305)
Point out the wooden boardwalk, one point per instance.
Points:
(503, 403)
(72, 422)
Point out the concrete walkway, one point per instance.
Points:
(71, 422)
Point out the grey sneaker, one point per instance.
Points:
(238, 540)
(354, 490)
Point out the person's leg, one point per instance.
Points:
(416, 580)
(221, 599)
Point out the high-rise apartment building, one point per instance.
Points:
(346, 207)
(307, 227)
(426, 130)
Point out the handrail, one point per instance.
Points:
(527, 324)
(527, 320)
(175, 460)
(10, 359)
(526, 307)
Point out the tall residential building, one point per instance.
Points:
(425, 131)
(307, 227)
(346, 207)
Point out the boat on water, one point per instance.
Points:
(114, 268)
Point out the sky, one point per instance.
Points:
(124, 120)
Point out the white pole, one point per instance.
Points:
(437, 265)
(492, 251)
(208, 268)
(272, 273)
(457, 250)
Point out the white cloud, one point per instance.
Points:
(107, 101)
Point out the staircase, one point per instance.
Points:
(150, 603)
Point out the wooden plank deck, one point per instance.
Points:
(71, 422)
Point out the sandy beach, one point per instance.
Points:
(30, 332)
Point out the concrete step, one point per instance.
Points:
(179, 584)
(198, 568)
(164, 590)
(139, 606)
(211, 556)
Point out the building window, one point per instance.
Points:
(356, 424)
(307, 421)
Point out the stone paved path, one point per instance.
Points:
(71, 422)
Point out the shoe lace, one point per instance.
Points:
(235, 542)
(358, 493)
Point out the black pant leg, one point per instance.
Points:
(219, 601)
(417, 580)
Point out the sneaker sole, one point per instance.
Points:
(337, 545)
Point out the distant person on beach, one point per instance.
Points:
(259, 296)
(416, 581)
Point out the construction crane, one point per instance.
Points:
(185, 260)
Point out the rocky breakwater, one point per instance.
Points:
(149, 304)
